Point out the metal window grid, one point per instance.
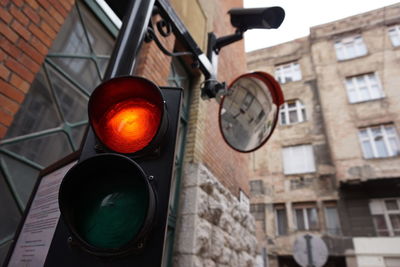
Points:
(350, 47)
(387, 132)
(356, 84)
(386, 213)
(65, 127)
(288, 72)
(285, 110)
(394, 34)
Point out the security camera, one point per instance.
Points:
(257, 18)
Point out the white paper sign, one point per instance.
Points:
(38, 230)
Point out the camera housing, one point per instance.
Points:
(256, 18)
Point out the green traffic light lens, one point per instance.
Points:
(107, 203)
(112, 213)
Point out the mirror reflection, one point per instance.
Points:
(248, 114)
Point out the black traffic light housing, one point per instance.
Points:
(149, 168)
(133, 187)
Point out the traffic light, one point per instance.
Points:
(114, 202)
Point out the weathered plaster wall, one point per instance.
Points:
(344, 119)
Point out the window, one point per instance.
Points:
(379, 142)
(288, 73)
(386, 216)
(392, 261)
(281, 220)
(306, 218)
(51, 121)
(332, 219)
(350, 47)
(394, 34)
(257, 187)
(363, 88)
(298, 159)
(291, 112)
(258, 211)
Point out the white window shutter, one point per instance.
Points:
(298, 159)
(376, 207)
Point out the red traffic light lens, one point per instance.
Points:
(126, 113)
(130, 125)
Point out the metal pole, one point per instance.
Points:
(123, 57)
(130, 38)
(309, 251)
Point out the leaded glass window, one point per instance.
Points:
(51, 121)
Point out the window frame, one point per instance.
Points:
(299, 108)
(258, 211)
(396, 34)
(335, 231)
(106, 15)
(280, 207)
(343, 47)
(369, 84)
(256, 187)
(375, 205)
(304, 208)
(64, 127)
(306, 153)
(373, 142)
(179, 76)
(292, 68)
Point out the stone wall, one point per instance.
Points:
(213, 228)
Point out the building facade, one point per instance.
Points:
(332, 166)
(54, 53)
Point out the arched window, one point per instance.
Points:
(291, 112)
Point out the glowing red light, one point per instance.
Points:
(130, 125)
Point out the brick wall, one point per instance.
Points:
(228, 165)
(27, 30)
(29, 27)
(204, 142)
(152, 63)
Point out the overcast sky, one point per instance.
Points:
(303, 14)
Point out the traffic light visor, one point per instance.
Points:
(127, 114)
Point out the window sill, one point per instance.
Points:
(291, 124)
(306, 231)
(395, 47)
(300, 173)
(353, 58)
(368, 101)
(383, 158)
(291, 82)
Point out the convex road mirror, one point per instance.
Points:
(249, 111)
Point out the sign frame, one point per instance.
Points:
(50, 169)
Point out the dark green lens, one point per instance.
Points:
(112, 212)
(107, 203)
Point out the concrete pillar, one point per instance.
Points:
(351, 261)
(289, 213)
(321, 217)
(270, 224)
